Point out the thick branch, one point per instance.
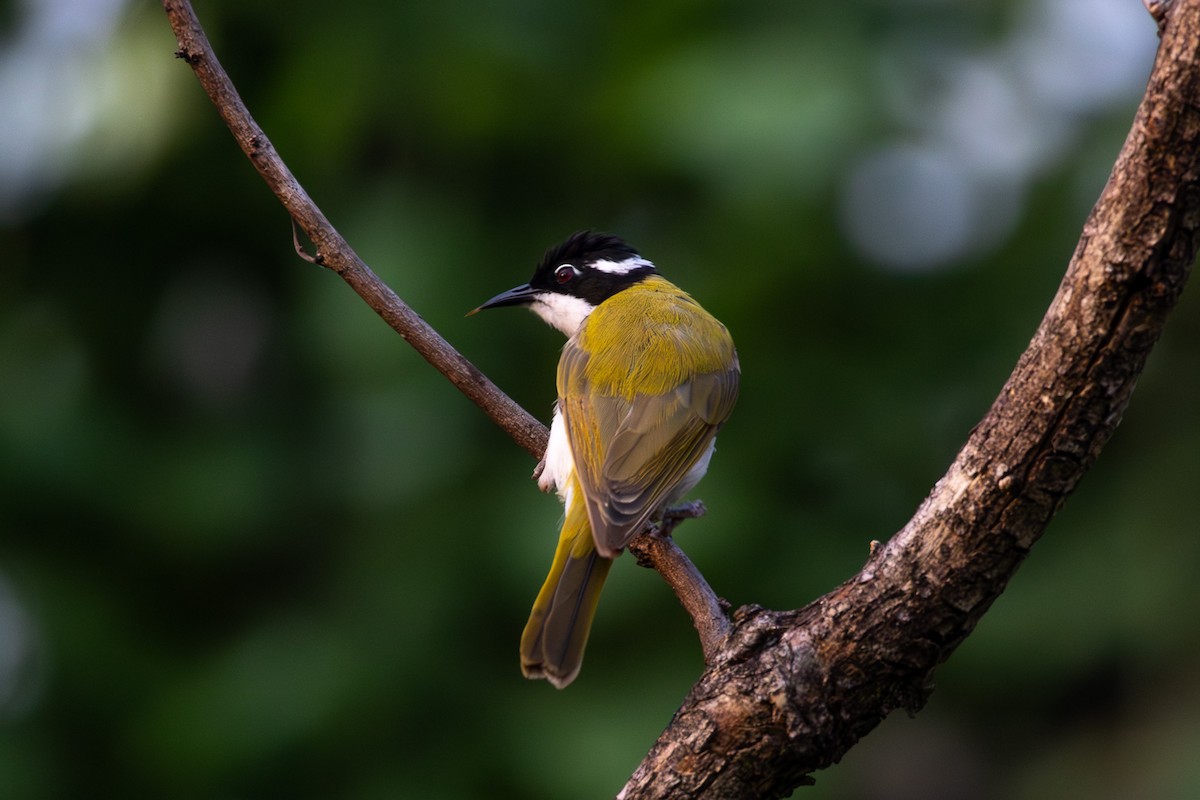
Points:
(332, 250)
(795, 690)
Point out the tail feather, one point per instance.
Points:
(557, 632)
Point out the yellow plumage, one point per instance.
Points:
(646, 340)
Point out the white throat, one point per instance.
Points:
(561, 311)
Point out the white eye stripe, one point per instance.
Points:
(623, 267)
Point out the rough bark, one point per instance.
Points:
(794, 690)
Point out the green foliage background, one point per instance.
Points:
(252, 546)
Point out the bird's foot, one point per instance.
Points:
(676, 514)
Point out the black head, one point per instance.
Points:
(591, 266)
(575, 277)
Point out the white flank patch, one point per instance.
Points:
(622, 267)
(561, 311)
(556, 474)
(693, 476)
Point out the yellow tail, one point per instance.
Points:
(557, 631)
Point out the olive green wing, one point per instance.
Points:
(654, 450)
(632, 456)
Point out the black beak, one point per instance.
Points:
(519, 296)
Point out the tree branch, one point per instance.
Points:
(332, 250)
(796, 689)
(658, 550)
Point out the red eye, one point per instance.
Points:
(564, 273)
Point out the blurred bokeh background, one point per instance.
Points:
(252, 546)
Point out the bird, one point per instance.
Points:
(646, 379)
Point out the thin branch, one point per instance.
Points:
(332, 250)
(658, 550)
